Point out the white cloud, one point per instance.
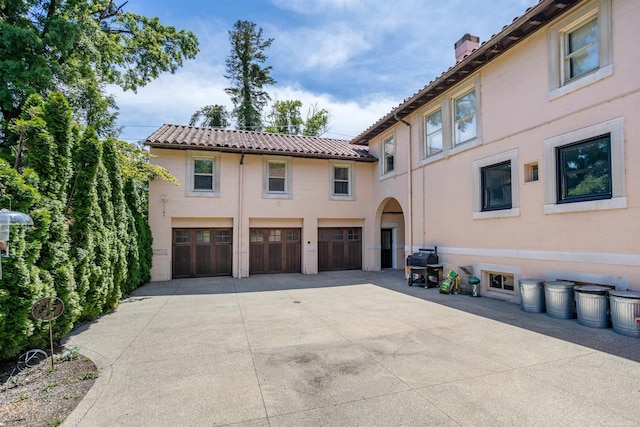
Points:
(356, 58)
(306, 49)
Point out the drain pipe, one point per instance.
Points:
(409, 230)
(239, 225)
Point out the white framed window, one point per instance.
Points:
(277, 175)
(580, 48)
(584, 169)
(203, 172)
(388, 155)
(342, 181)
(433, 135)
(464, 118)
(452, 123)
(500, 281)
(495, 183)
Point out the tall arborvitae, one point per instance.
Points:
(122, 218)
(87, 230)
(106, 248)
(18, 287)
(58, 116)
(143, 231)
(54, 256)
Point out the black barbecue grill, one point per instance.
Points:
(423, 265)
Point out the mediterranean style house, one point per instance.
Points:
(520, 161)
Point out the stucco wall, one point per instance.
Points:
(241, 205)
(515, 114)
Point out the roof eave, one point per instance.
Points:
(169, 146)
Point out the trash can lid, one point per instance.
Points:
(625, 294)
(592, 289)
(531, 281)
(559, 284)
(473, 280)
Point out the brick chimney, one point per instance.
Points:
(466, 45)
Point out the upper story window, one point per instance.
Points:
(277, 177)
(581, 53)
(496, 186)
(433, 133)
(580, 50)
(464, 111)
(584, 170)
(452, 123)
(342, 180)
(203, 174)
(388, 155)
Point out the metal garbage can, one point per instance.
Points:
(592, 306)
(532, 295)
(625, 309)
(559, 299)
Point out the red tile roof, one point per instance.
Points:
(239, 141)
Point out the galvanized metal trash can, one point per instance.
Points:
(625, 308)
(592, 306)
(532, 295)
(559, 299)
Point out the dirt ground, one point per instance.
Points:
(40, 395)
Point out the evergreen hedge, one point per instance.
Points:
(91, 241)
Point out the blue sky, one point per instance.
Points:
(356, 58)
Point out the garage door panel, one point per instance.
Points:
(274, 250)
(181, 261)
(339, 249)
(201, 252)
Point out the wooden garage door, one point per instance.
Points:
(339, 249)
(202, 252)
(274, 250)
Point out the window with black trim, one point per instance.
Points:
(496, 186)
(584, 170)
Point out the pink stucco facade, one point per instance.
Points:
(524, 113)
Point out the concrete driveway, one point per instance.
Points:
(343, 349)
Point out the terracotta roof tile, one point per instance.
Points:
(215, 139)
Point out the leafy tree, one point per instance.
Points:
(317, 120)
(286, 118)
(78, 46)
(247, 76)
(214, 116)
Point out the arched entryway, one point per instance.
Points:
(391, 225)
